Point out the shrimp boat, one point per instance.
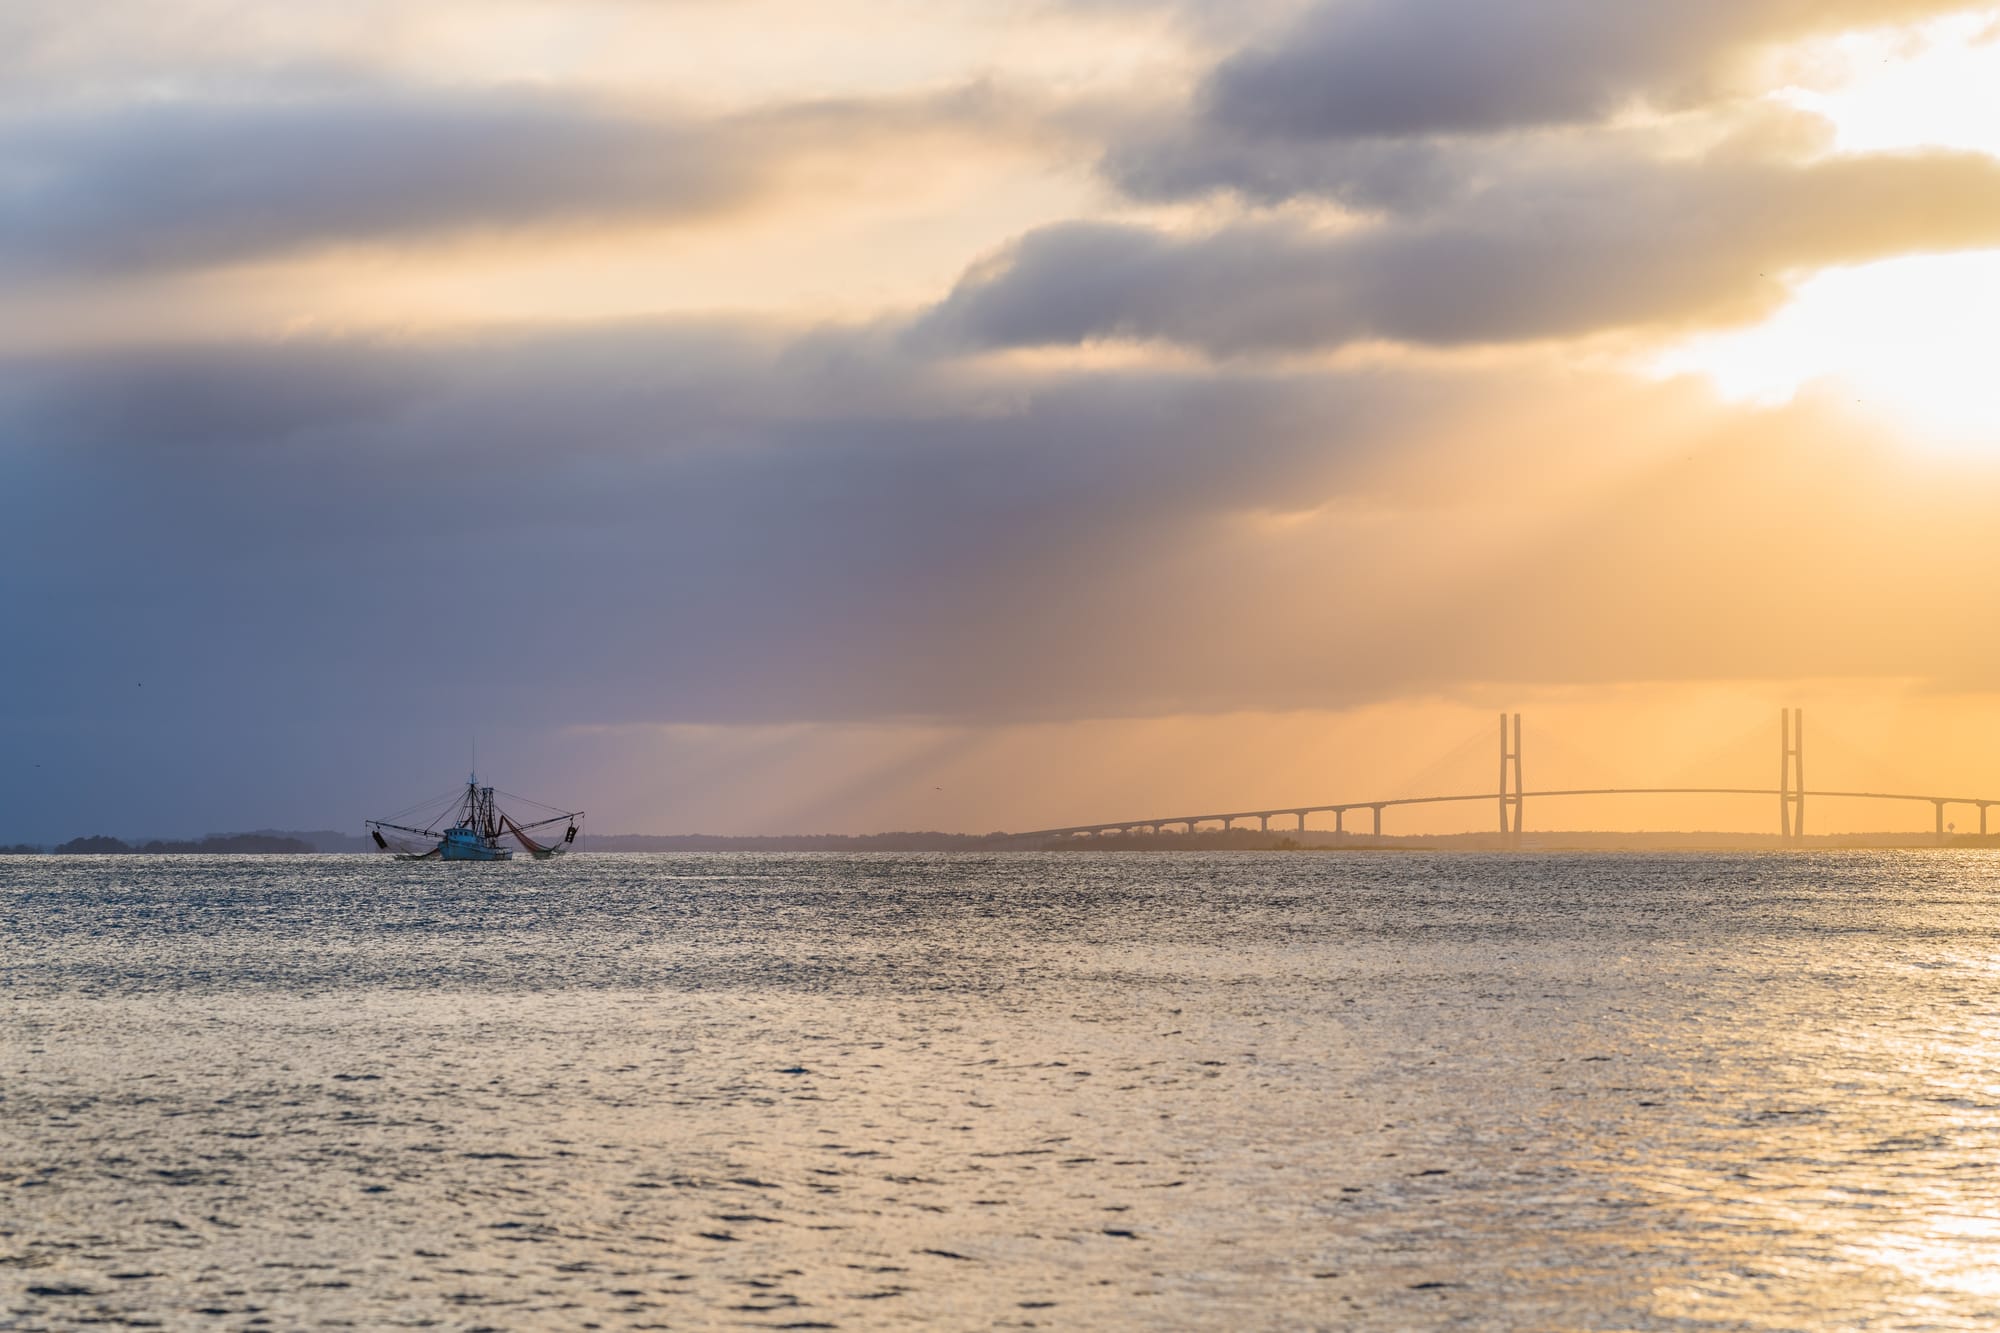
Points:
(478, 824)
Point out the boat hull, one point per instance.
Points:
(464, 845)
(454, 852)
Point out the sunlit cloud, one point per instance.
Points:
(1651, 244)
(1938, 86)
(1906, 342)
(1901, 341)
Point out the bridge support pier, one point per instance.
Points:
(1191, 826)
(1792, 788)
(1982, 819)
(1265, 820)
(1302, 820)
(1378, 819)
(1511, 796)
(1939, 805)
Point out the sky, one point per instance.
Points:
(764, 416)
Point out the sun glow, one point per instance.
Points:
(1907, 340)
(1938, 87)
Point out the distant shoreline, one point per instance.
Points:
(269, 842)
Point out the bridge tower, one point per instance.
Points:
(1511, 790)
(1792, 788)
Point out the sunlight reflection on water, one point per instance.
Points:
(1082, 1090)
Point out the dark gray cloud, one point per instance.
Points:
(1180, 158)
(178, 182)
(1395, 68)
(1488, 200)
(1413, 109)
(727, 527)
(1530, 257)
(191, 183)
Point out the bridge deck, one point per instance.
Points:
(1343, 807)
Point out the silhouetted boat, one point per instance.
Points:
(477, 827)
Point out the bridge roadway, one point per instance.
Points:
(1339, 811)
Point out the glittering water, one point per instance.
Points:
(1299, 1090)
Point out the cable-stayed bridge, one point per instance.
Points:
(1511, 798)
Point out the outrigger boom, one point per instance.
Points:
(477, 827)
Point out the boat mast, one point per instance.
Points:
(477, 812)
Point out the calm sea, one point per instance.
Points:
(1058, 1091)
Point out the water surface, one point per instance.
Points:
(1062, 1091)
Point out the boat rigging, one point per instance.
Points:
(478, 824)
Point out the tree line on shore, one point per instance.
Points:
(218, 844)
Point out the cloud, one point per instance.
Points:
(1532, 256)
(1398, 68)
(722, 522)
(1174, 159)
(728, 525)
(193, 182)
(712, 525)
(363, 550)
(1178, 160)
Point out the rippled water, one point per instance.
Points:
(1299, 1090)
